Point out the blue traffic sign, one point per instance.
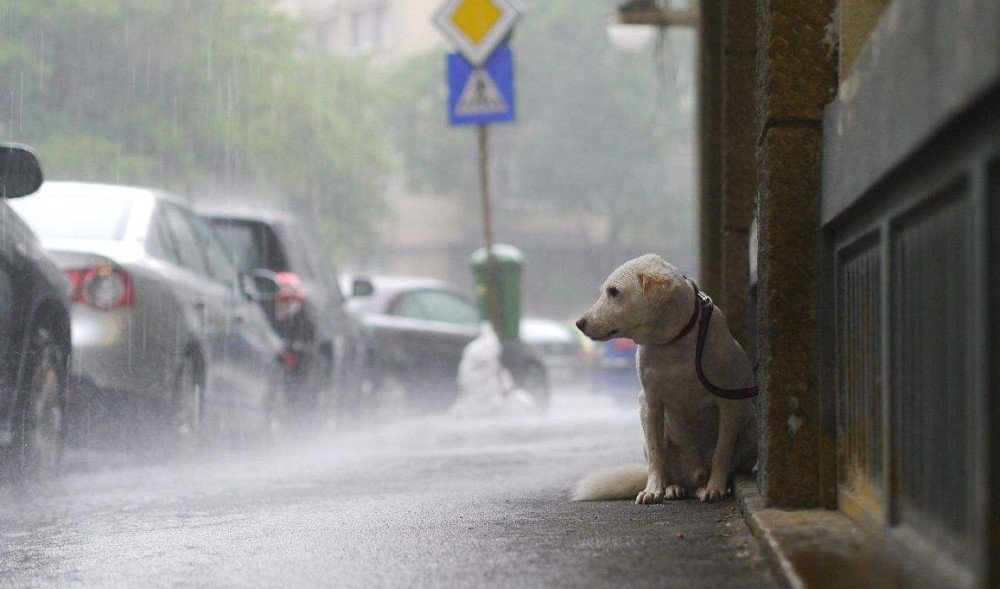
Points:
(481, 95)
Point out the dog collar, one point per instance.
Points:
(694, 316)
(703, 307)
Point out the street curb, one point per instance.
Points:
(751, 506)
(817, 547)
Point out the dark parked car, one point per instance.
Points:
(327, 348)
(34, 333)
(421, 327)
(163, 325)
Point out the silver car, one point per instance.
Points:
(160, 318)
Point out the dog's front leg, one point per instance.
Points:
(725, 448)
(651, 414)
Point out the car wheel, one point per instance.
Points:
(38, 439)
(356, 389)
(188, 405)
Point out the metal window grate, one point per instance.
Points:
(910, 326)
(931, 372)
(859, 383)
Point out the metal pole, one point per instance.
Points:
(491, 263)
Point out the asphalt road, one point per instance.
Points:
(416, 503)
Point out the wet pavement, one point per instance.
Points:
(431, 502)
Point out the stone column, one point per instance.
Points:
(856, 20)
(739, 159)
(710, 146)
(796, 78)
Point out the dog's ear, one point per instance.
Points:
(655, 287)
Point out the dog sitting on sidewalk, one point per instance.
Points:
(698, 418)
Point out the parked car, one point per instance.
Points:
(420, 328)
(34, 333)
(559, 348)
(329, 354)
(161, 319)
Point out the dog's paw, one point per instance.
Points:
(674, 492)
(712, 493)
(649, 497)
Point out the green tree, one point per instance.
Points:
(195, 96)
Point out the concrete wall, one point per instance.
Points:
(796, 78)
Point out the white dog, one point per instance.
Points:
(694, 439)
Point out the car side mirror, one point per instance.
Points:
(259, 285)
(362, 287)
(20, 172)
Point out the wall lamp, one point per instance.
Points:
(635, 23)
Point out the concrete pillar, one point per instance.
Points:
(710, 147)
(796, 78)
(857, 19)
(739, 159)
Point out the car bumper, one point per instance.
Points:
(117, 351)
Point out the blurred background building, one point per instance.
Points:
(387, 31)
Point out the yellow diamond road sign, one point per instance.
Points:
(477, 27)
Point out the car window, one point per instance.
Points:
(439, 305)
(158, 241)
(316, 257)
(186, 241)
(75, 217)
(296, 251)
(218, 259)
(409, 306)
(253, 245)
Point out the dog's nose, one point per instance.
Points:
(581, 324)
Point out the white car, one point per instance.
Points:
(162, 323)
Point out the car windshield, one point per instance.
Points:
(75, 217)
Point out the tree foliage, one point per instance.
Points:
(196, 96)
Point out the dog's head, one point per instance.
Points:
(637, 302)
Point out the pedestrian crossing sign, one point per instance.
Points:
(484, 94)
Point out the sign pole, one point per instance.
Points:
(481, 92)
(484, 192)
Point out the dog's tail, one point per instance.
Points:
(620, 482)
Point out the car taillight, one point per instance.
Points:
(103, 287)
(291, 296)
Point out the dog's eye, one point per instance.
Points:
(612, 292)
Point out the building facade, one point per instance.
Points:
(386, 31)
(874, 150)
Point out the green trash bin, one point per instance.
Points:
(509, 268)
